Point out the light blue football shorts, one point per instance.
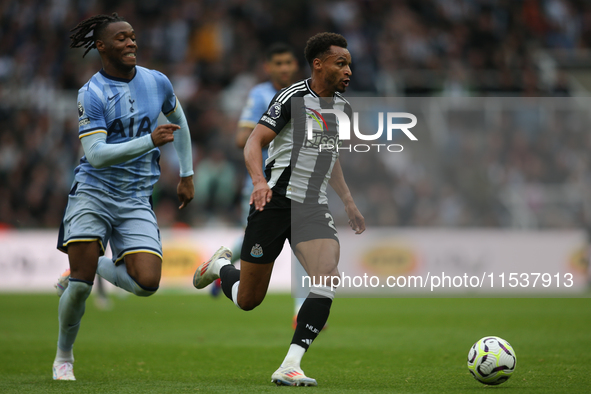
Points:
(128, 224)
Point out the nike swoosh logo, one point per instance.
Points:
(111, 98)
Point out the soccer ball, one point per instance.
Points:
(491, 360)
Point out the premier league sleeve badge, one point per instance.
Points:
(274, 111)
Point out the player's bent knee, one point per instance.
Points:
(145, 270)
(248, 304)
(142, 290)
(144, 293)
(149, 281)
(149, 284)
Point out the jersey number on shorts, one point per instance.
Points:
(330, 221)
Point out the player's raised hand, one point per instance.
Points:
(185, 191)
(163, 134)
(261, 195)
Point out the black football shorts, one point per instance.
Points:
(281, 219)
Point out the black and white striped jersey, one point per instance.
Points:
(297, 167)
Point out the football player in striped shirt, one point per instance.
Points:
(281, 66)
(110, 199)
(290, 201)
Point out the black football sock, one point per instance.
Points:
(229, 275)
(311, 319)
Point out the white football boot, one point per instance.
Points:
(204, 274)
(292, 376)
(63, 371)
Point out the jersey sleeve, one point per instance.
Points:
(255, 107)
(278, 114)
(169, 102)
(91, 116)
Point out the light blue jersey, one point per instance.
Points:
(123, 109)
(258, 102)
(112, 204)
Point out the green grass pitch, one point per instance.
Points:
(177, 343)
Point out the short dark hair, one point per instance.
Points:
(95, 24)
(321, 43)
(278, 48)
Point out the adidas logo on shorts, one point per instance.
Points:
(256, 251)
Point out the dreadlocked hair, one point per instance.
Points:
(95, 24)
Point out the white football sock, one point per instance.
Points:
(63, 356)
(294, 356)
(218, 264)
(235, 293)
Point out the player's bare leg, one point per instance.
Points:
(139, 273)
(254, 283)
(145, 269)
(319, 257)
(83, 258)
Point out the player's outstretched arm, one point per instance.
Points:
(100, 154)
(182, 144)
(337, 182)
(260, 137)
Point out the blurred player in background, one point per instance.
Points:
(291, 202)
(110, 200)
(281, 66)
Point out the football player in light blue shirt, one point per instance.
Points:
(110, 200)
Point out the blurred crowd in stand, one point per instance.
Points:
(212, 52)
